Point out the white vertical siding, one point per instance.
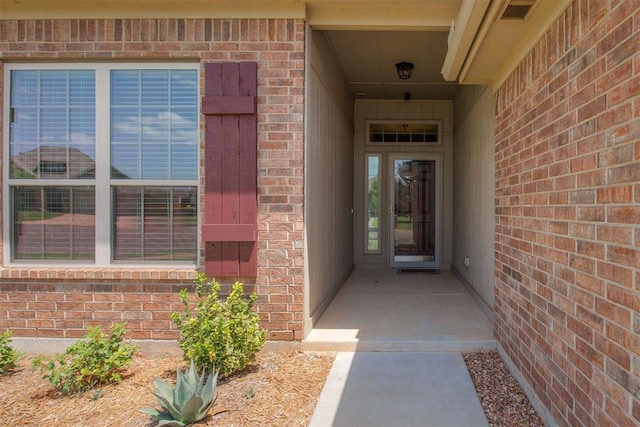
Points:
(328, 178)
(474, 181)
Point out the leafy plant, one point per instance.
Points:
(225, 334)
(250, 393)
(95, 360)
(8, 355)
(188, 403)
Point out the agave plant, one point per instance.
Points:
(188, 402)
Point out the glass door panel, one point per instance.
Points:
(372, 226)
(413, 209)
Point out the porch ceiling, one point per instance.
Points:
(368, 61)
(465, 41)
(481, 47)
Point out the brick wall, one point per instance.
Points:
(39, 302)
(567, 214)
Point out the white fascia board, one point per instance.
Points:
(464, 32)
(408, 15)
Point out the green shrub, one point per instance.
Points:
(95, 360)
(225, 334)
(8, 355)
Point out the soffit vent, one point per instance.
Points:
(516, 9)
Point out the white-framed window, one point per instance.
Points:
(101, 163)
(404, 132)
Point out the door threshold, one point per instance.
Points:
(417, 270)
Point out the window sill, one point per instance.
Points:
(98, 273)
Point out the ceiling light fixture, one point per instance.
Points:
(404, 70)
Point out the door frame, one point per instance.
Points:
(413, 155)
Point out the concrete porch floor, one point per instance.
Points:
(379, 310)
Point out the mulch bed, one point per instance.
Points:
(281, 389)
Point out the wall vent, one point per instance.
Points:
(516, 9)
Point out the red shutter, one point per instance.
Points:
(231, 211)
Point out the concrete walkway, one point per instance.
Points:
(371, 389)
(400, 339)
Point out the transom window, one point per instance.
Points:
(102, 163)
(403, 132)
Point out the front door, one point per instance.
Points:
(414, 214)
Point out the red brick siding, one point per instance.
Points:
(63, 308)
(567, 192)
(277, 45)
